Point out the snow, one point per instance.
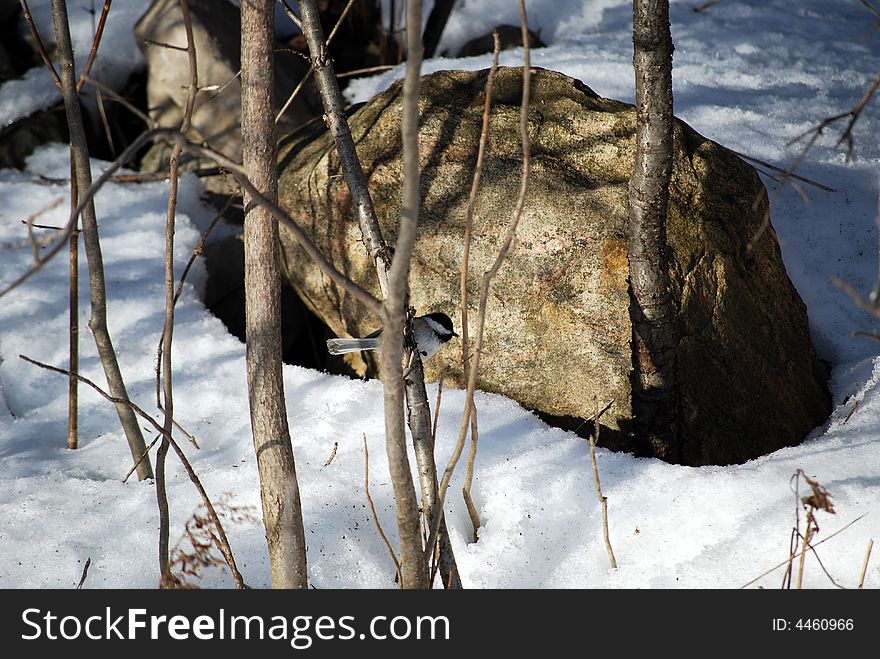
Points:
(749, 74)
(118, 55)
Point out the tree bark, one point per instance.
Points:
(72, 382)
(413, 562)
(394, 314)
(91, 242)
(334, 115)
(419, 420)
(279, 489)
(652, 307)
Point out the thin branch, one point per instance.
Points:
(397, 334)
(140, 459)
(311, 70)
(165, 343)
(812, 136)
(41, 48)
(128, 105)
(496, 266)
(332, 454)
(787, 560)
(824, 569)
(603, 500)
(172, 136)
(853, 113)
(93, 52)
(851, 412)
(871, 8)
(225, 548)
(162, 44)
(865, 564)
(437, 405)
(373, 511)
(862, 303)
(369, 69)
(789, 174)
(290, 13)
(34, 242)
(473, 513)
(85, 573)
(73, 318)
(465, 269)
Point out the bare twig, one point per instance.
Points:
(369, 69)
(32, 241)
(465, 269)
(225, 548)
(503, 251)
(128, 105)
(332, 454)
(437, 404)
(862, 303)
(824, 569)
(851, 412)
(787, 172)
(200, 247)
(812, 135)
(290, 13)
(172, 137)
(143, 455)
(704, 6)
(473, 513)
(397, 321)
(85, 573)
(311, 70)
(603, 500)
(73, 318)
(41, 48)
(795, 556)
(865, 564)
(871, 8)
(375, 515)
(164, 361)
(162, 44)
(846, 135)
(93, 52)
(395, 310)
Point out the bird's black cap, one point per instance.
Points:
(444, 321)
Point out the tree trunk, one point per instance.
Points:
(282, 510)
(98, 290)
(413, 562)
(334, 115)
(652, 307)
(436, 22)
(419, 420)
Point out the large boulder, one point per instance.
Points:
(558, 328)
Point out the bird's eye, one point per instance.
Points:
(424, 353)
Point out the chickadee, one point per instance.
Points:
(430, 333)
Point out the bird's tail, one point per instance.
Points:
(341, 346)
